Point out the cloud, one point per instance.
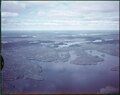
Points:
(109, 89)
(9, 14)
(58, 25)
(61, 14)
(12, 6)
(83, 10)
(58, 13)
(96, 6)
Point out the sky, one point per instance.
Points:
(60, 15)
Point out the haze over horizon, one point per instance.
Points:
(60, 15)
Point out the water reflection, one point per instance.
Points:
(71, 78)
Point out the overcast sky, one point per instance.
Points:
(60, 15)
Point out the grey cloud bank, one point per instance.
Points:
(60, 15)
